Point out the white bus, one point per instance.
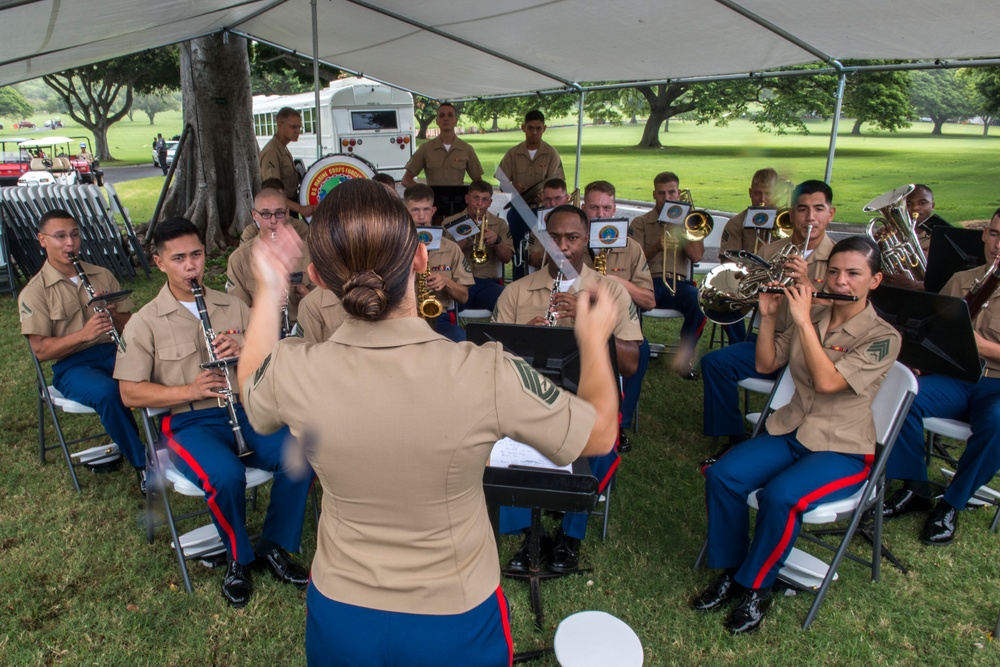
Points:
(358, 117)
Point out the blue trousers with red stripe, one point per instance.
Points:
(515, 520)
(483, 294)
(201, 445)
(940, 396)
(685, 300)
(721, 370)
(87, 377)
(446, 326)
(344, 635)
(632, 386)
(792, 480)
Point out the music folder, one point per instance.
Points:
(952, 249)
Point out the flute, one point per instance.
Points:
(816, 295)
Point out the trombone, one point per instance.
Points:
(698, 226)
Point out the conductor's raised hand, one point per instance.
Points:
(596, 314)
(274, 260)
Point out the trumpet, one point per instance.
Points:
(100, 303)
(897, 238)
(428, 305)
(698, 226)
(479, 255)
(214, 363)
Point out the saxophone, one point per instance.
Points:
(427, 304)
(601, 262)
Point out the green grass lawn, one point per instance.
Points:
(82, 586)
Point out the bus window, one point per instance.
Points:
(382, 119)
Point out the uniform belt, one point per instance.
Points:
(196, 405)
(675, 276)
(991, 373)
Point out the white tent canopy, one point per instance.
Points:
(463, 49)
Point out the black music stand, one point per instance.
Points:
(936, 330)
(449, 199)
(952, 249)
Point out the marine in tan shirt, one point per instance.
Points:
(735, 235)
(446, 159)
(276, 160)
(320, 314)
(531, 163)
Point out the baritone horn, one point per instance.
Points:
(897, 236)
(697, 225)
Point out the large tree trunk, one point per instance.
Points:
(663, 105)
(218, 172)
(938, 123)
(496, 122)
(424, 124)
(856, 130)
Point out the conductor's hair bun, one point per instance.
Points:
(364, 295)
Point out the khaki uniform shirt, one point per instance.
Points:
(51, 305)
(445, 167)
(492, 269)
(449, 260)
(629, 263)
(276, 162)
(240, 281)
(862, 350)
(736, 237)
(528, 298)
(300, 226)
(404, 526)
(321, 313)
(165, 344)
(987, 323)
(646, 229)
(817, 263)
(519, 167)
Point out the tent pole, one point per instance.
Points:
(579, 140)
(841, 79)
(317, 113)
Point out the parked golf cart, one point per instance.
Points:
(14, 161)
(86, 165)
(57, 160)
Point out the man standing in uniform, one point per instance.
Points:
(61, 326)
(161, 368)
(674, 290)
(495, 241)
(450, 274)
(724, 368)
(977, 403)
(529, 165)
(276, 160)
(161, 153)
(446, 159)
(528, 301)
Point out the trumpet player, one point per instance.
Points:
(493, 239)
(673, 289)
(269, 213)
(450, 274)
(61, 326)
(161, 368)
(812, 211)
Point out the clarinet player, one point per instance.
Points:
(161, 367)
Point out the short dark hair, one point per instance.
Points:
(284, 113)
(666, 177)
(811, 187)
(862, 244)
(418, 192)
(534, 114)
(995, 214)
(447, 104)
(555, 184)
(273, 184)
(385, 178)
(171, 229)
(481, 186)
(599, 186)
(569, 208)
(921, 186)
(55, 214)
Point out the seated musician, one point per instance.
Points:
(553, 194)
(61, 326)
(722, 369)
(451, 275)
(674, 290)
(300, 226)
(817, 449)
(320, 314)
(165, 344)
(920, 206)
(387, 180)
(495, 241)
(976, 403)
(406, 569)
(533, 300)
(269, 213)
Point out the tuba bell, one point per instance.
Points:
(897, 236)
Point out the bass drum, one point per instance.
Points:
(330, 171)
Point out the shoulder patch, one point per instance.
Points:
(633, 312)
(535, 384)
(645, 267)
(25, 311)
(878, 350)
(465, 264)
(258, 374)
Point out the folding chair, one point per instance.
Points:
(958, 430)
(50, 399)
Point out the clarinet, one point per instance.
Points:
(550, 316)
(214, 363)
(99, 304)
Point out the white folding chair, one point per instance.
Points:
(958, 430)
(596, 639)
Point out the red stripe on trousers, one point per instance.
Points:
(505, 619)
(799, 507)
(203, 476)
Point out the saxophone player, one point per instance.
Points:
(161, 368)
(61, 326)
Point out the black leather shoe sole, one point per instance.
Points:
(906, 502)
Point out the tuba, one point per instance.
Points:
(897, 237)
(697, 227)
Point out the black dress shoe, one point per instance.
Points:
(713, 459)
(940, 525)
(905, 502)
(142, 481)
(283, 568)
(565, 554)
(519, 563)
(718, 593)
(749, 612)
(624, 446)
(236, 584)
(690, 375)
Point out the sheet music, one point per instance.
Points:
(507, 452)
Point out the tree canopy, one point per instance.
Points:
(942, 95)
(13, 104)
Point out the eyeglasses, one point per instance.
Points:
(62, 236)
(266, 215)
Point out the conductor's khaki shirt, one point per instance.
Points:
(398, 424)
(445, 167)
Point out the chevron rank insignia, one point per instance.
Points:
(633, 312)
(259, 373)
(878, 350)
(535, 384)
(25, 311)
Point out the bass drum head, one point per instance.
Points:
(330, 171)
